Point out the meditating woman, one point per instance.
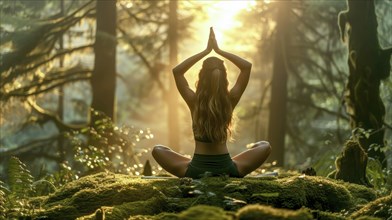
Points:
(211, 108)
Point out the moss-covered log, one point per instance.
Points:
(118, 196)
(381, 208)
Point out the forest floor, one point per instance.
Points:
(288, 196)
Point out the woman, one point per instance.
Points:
(211, 107)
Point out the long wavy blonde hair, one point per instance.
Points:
(213, 112)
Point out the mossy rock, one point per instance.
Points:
(380, 208)
(86, 195)
(119, 196)
(256, 212)
(249, 212)
(298, 191)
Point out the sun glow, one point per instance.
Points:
(222, 15)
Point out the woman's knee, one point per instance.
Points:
(264, 146)
(158, 149)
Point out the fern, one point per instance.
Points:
(20, 179)
(2, 201)
(20, 184)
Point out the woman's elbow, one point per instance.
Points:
(247, 67)
(176, 71)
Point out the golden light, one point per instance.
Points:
(222, 15)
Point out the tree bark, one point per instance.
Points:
(61, 94)
(368, 65)
(103, 80)
(351, 164)
(173, 117)
(277, 110)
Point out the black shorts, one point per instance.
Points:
(216, 165)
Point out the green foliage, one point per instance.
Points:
(29, 39)
(64, 175)
(325, 164)
(21, 188)
(381, 208)
(15, 202)
(20, 179)
(2, 200)
(380, 178)
(104, 146)
(43, 187)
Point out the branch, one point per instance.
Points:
(312, 105)
(24, 93)
(54, 117)
(139, 53)
(144, 60)
(51, 79)
(44, 35)
(15, 74)
(137, 19)
(24, 148)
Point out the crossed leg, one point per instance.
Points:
(170, 160)
(252, 158)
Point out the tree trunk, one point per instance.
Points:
(173, 118)
(103, 80)
(277, 112)
(351, 164)
(61, 95)
(368, 65)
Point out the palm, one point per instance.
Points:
(212, 44)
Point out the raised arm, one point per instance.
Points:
(243, 78)
(182, 84)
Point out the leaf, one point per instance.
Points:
(2, 201)
(20, 179)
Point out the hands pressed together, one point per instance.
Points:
(212, 44)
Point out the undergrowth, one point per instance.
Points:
(102, 146)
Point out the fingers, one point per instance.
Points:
(212, 34)
(212, 40)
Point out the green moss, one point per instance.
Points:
(367, 218)
(320, 215)
(256, 212)
(322, 194)
(381, 208)
(295, 192)
(149, 207)
(89, 193)
(59, 211)
(204, 212)
(122, 196)
(161, 216)
(360, 193)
